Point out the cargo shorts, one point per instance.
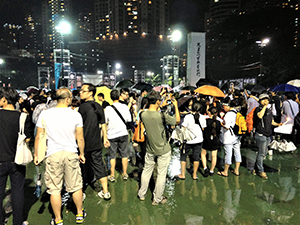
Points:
(63, 167)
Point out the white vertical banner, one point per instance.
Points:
(195, 57)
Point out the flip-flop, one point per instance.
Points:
(195, 178)
(232, 171)
(179, 178)
(221, 174)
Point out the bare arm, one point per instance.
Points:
(36, 143)
(262, 112)
(80, 142)
(106, 142)
(177, 114)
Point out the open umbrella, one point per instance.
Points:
(188, 88)
(158, 88)
(183, 100)
(295, 83)
(258, 89)
(142, 85)
(210, 90)
(106, 91)
(124, 84)
(285, 88)
(249, 86)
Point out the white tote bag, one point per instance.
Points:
(23, 153)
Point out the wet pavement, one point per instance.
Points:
(244, 199)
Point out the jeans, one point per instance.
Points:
(235, 148)
(162, 169)
(262, 145)
(16, 174)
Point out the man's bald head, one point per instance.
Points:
(62, 94)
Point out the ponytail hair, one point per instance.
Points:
(214, 112)
(196, 107)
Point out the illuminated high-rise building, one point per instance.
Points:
(118, 17)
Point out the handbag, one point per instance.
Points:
(23, 154)
(42, 146)
(286, 146)
(139, 132)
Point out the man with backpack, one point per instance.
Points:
(230, 140)
(263, 122)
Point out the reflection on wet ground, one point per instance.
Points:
(244, 199)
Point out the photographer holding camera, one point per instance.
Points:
(157, 147)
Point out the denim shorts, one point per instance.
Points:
(235, 149)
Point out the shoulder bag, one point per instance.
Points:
(139, 132)
(23, 154)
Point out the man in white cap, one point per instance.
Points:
(263, 122)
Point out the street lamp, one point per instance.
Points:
(261, 44)
(175, 37)
(63, 28)
(1, 63)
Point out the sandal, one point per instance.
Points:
(179, 178)
(221, 174)
(163, 201)
(234, 173)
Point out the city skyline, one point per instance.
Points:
(188, 14)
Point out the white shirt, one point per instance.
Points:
(116, 127)
(290, 109)
(189, 122)
(228, 137)
(60, 124)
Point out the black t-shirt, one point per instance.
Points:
(92, 114)
(211, 142)
(9, 129)
(105, 104)
(263, 126)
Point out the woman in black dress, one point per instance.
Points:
(211, 140)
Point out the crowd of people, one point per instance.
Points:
(78, 128)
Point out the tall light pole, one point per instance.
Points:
(63, 28)
(263, 43)
(1, 63)
(175, 37)
(118, 71)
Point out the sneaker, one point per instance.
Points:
(253, 172)
(206, 172)
(60, 222)
(80, 217)
(263, 175)
(211, 173)
(105, 196)
(111, 178)
(163, 201)
(125, 177)
(25, 223)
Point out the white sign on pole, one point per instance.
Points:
(195, 57)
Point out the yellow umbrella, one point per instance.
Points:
(106, 91)
(210, 90)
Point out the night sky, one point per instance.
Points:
(187, 13)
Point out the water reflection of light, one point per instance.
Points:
(174, 166)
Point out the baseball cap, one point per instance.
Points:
(263, 96)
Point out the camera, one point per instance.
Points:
(169, 102)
